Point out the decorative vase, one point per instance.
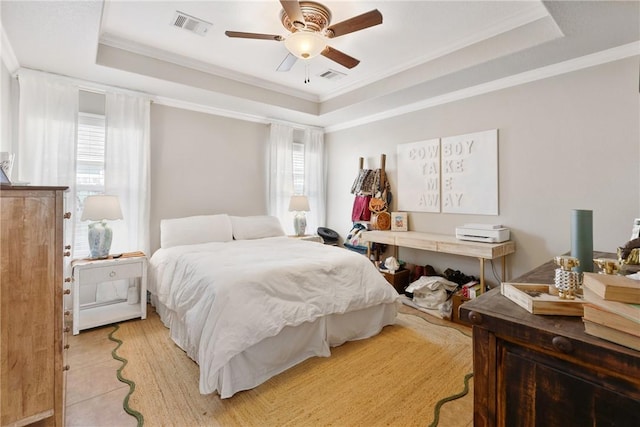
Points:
(582, 239)
(300, 223)
(99, 240)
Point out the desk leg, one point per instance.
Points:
(482, 289)
(504, 268)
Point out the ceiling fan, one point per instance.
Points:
(310, 26)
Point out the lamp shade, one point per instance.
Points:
(305, 44)
(299, 204)
(98, 208)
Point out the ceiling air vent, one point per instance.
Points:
(332, 75)
(191, 23)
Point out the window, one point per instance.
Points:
(89, 171)
(298, 167)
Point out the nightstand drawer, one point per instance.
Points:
(110, 272)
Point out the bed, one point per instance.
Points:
(246, 302)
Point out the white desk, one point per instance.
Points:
(444, 244)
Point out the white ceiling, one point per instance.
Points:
(423, 50)
(402, 41)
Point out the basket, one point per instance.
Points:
(381, 221)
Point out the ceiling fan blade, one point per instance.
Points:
(254, 35)
(287, 63)
(357, 23)
(294, 12)
(340, 57)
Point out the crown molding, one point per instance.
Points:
(598, 58)
(508, 24)
(144, 50)
(208, 109)
(576, 64)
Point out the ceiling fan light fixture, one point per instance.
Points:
(305, 44)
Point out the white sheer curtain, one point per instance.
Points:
(127, 169)
(280, 180)
(47, 122)
(281, 174)
(315, 178)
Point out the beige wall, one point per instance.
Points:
(205, 164)
(567, 142)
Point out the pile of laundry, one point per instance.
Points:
(433, 291)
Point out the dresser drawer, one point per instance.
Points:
(109, 273)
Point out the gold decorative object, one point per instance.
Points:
(633, 257)
(630, 252)
(566, 262)
(567, 281)
(607, 265)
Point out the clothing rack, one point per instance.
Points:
(377, 249)
(383, 161)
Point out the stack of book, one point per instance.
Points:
(612, 308)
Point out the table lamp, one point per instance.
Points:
(299, 205)
(100, 209)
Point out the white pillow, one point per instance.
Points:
(195, 229)
(256, 227)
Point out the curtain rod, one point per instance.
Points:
(85, 85)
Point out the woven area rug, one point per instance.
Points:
(403, 376)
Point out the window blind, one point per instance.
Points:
(89, 171)
(298, 167)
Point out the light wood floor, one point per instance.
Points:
(94, 395)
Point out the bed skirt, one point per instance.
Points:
(291, 346)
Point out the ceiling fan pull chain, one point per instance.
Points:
(306, 73)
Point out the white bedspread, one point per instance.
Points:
(233, 295)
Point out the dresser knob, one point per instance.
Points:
(67, 253)
(67, 279)
(67, 215)
(67, 247)
(66, 367)
(67, 291)
(112, 274)
(67, 329)
(562, 344)
(67, 312)
(66, 347)
(475, 318)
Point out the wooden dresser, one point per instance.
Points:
(31, 316)
(534, 370)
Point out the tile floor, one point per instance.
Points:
(94, 396)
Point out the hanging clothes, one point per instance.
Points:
(364, 183)
(360, 210)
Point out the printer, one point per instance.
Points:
(488, 233)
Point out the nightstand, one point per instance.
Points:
(309, 237)
(88, 272)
